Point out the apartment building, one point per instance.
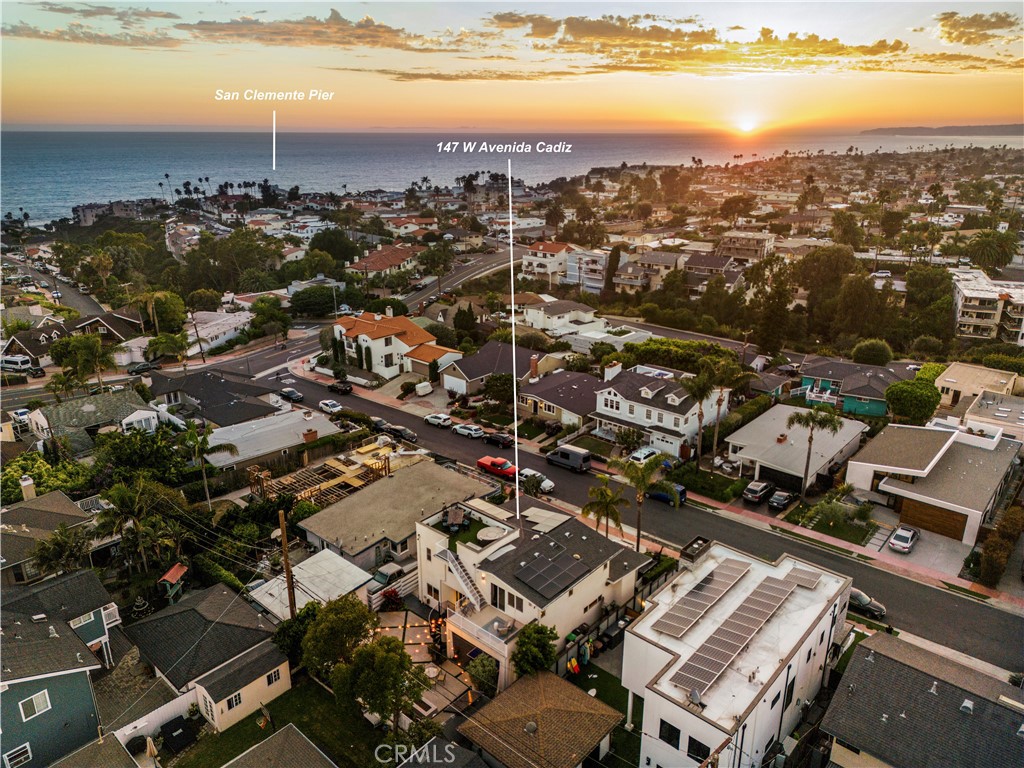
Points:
(746, 247)
(987, 308)
(546, 259)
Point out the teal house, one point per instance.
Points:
(849, 387)
(47, 704)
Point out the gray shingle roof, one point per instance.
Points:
(238, 673)
(574, 392)
(571, 537)
(72, 417)
(494, 357)
(629, 385)
(441, 752)
(109, 754)
(885, 707)
(224, 398)
(27, 522)
(68, 596)
(288, 748)
(837, 369)
(201, 632)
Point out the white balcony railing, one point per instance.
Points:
(111, 615)
(477, 633)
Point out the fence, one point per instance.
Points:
(404, 586)
(150, 723)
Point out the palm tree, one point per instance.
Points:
(148, 301)
(128, 510)
(92, 357)
(64, 550)
(700, 388)
(820, 417)
(604, 504)
(196, 443)
(727, 376)
(642, 478)
(173, 344)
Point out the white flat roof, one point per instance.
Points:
(733, 693)
(322, 577)
(271, 433)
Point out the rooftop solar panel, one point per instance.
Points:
(804, 578)
(688, 609)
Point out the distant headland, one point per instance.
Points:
(1012, 129)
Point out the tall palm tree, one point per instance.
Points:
(700, 388)
(148, 302)
(92, 357)
(604, 504)
(196, 443)
(64, 550)
(173, 344)
(727, 376)
(128, 509)
(819, 418)
(643, 479)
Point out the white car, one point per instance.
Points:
(641, 455)
(20, 415)
(468, 430)
(882, 273)
(546, 486)
(331, 406)
(438, 420)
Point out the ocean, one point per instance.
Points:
(46, 173)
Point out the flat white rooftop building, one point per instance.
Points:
(727, 654)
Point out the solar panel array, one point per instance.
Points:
(708, 662)
(687, 610)
(552, 576)
(804, 578)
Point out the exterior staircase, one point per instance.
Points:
(469, 587)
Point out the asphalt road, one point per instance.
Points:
(480, 264)
(70, 295)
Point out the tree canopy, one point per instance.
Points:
(913, 401)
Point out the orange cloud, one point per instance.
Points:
(978, 28)
(82, 33)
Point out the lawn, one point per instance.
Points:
(847, 530)
(528, 430)
(596, 446)
(465, 535)
(796, 514)
(625, 744)
(342, 734)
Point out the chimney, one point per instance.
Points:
(612, 370)
(376, 317)
(781, 439)
(28, 488)
(309, 435)
(534, 373)
(379, 246)
(389, 311)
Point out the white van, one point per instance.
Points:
(570, 457)
(15, 363)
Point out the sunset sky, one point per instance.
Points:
(740, 67)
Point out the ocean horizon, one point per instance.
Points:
(47, 172)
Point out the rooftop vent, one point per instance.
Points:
(967, 707)
(531, 727)
(53, 633)
(934, 689)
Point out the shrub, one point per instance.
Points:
(995, 553)
(1011, 524)
(872, 352)
(972, 564)
(10, 379)
(737, 418)
(208, 571)
(831, 512)
(718, 487)
(408, 387)
(1004, 363)
(391, 600)
(665, 564)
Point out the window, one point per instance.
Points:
(647, 415)
(808, 655)
(102, 329)
(669, 734)
(433, 592)
(632, 410)
(387, 341)
(389, 360)
(234, 700)
(515, 601)
(402, 546)
(429, 555)
(695, 750)
(611, 404)
(34, 705)
(18, 756)
(273, 677)
(76, 623)
(776, 699)
(208, 708)
(789, 694)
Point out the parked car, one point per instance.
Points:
(340, 387)
(36, 372)
(402, 433)
(672, 462)
(468, 430)
(641, 455)
(291, 394)
(780, 500)
(500, 439)
(904, 538)
(758, 491)
(546, 486)
(57, 295)
(496, 466)
(331, 406)
(665, 497)
(20, 415)
(136, 369)
(571, 457)
(440, 420)
(865, 606)
(379, 425)
(882, 273)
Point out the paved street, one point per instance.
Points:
(87, 305)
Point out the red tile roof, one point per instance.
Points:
(380, 326)
(174, 575)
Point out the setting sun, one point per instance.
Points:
(747, 124)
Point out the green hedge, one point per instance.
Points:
(208, 570)
(736, 418)
(10, 379)
(338, 441)
(665, 564)
(717, 487)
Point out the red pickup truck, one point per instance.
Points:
(499, 467)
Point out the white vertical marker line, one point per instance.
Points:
(273, 151)
(512, 299)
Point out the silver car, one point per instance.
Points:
(904, 538)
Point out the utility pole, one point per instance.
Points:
(287, 565)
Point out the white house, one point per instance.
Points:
(211, 329)
(652, 400)
(379, 343)
(321, 578)
(728, 654)
(561, 317)
(547, 567)
(945, 480)
(546, 259)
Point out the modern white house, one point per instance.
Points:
(772, 451)
(379, 343)
(547, 567)
(207, 330)
(651, 399)
(558, 318)
(546, 259)
(941, 479)
(728, 654)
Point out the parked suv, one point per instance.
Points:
(758, 491)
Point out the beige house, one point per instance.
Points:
(234, 691)
(963, 380)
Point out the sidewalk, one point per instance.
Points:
(879, 559)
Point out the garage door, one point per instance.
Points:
(454, 384)
(931, 518)
(784, 480)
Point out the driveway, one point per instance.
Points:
(932, 551)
